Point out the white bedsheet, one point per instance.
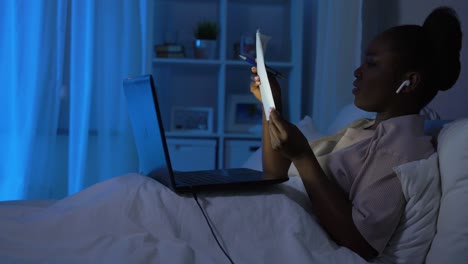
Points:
(134, 219)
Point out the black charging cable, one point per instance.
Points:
(211, 229)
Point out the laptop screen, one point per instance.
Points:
(148, 132)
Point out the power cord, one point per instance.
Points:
(211, 229)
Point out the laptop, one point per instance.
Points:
(153, 154)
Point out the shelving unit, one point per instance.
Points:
(191, 82)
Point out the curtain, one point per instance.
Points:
(338, 34)
(64, 124)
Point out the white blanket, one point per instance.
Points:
(134, 219)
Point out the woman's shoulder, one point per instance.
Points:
(326, 144)
(404, 137)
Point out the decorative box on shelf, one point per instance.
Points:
(169, 51)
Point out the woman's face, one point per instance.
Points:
(376, 78)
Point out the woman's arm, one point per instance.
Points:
(330, 204)
(282, 143)
(273, 162)
(331, 207)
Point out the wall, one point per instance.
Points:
(450, 104)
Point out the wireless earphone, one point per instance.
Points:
(403, 85)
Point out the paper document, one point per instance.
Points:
(265, 89)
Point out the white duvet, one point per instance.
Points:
(134, 219)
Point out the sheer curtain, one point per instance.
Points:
(63, 118)
(337, 53)
(340, 31)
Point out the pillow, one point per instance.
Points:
(348, 114)
(450, 244)
(429, 113)
(254, 161)
(306, 126)
(433, 127)
(421, 188)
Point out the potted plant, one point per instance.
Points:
(205, 44)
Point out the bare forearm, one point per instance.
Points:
(332, 207)
(273, 162)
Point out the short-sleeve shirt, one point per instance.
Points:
(362, 162)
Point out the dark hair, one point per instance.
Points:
(432, 49)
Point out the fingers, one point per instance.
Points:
(255, 84)
(254, 77)
(276, 119)
(255, 81)
(277, 128)
(274, 136)
(274, 115)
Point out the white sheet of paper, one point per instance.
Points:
(265, 89)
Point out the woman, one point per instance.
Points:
(403, 69)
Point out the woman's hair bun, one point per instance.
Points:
(444, 34)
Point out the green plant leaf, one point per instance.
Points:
(206, 30)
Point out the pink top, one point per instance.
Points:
(364, 170)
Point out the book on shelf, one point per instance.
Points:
(169, 48)
(170, 55)
(169, 51)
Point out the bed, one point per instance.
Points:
(134, 219)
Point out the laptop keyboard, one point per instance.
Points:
(217, 176)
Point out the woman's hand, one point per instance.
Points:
(255, 87)
(286, 138)
(255, 84)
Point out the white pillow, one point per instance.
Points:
(421, 187)
(254, 161)
(348, 114)
(429, 113)
(306, 126)
(450, 243)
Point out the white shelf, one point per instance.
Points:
(210, 83)
(188, 61)
(185, 61)
(269, 63)
(191, 135)
(241, 135)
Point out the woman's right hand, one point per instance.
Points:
(255, 87)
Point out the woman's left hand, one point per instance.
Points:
(286, 138)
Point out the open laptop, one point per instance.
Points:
(153, 154)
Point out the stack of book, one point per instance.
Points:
(169, 51)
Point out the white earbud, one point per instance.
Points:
(403, 85)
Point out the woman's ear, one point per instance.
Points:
(414, 79)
